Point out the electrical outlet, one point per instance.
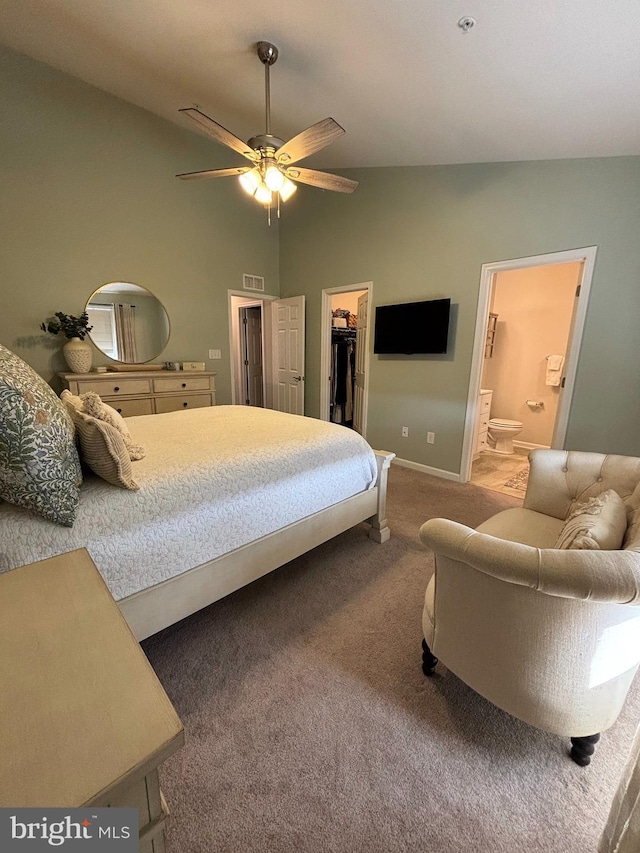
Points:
(405, 432)
(215, 353)
(431, 438)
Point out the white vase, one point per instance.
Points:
(77, 354)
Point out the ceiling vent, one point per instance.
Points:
(252, 282)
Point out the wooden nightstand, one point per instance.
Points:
(84, 720)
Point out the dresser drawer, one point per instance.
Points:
(144, 795)
(128, 408)
(485, 403)
(483, 441)
(133, 796)
(184, 401)
(115, 387)
(483, 421)
(181, 383)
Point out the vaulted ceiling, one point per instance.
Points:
(544, 80)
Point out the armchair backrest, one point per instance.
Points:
(561, 478)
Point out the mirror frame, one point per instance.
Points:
(160, 303)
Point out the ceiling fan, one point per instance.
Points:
(271, 177)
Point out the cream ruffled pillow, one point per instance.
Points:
(597, 524)
(93, 405)
(103, 450)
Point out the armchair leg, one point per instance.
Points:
(582, 748)
(428, 660)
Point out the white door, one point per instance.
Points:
(361, 361)
(288, 353)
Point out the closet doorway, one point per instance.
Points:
(344, 355)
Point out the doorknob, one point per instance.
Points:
(297, 378)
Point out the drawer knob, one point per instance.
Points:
(185, 404)
(119, 411)
(184, 384)
(117, 388)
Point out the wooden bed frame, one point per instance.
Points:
(159, 606)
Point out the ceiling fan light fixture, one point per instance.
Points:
(287, 189)
(250, 181)
(274, 178)
(271, 179)
(263, 194)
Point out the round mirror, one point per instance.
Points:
(129, 323)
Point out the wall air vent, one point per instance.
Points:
(252, 282)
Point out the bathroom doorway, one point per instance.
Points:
(527, 344)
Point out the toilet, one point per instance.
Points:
(502, 431)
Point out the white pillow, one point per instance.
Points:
(597, 524)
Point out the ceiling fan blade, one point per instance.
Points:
(219, 133)
(213, 173)
(318, 136)
(324, 180)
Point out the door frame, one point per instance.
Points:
(587, 256)
(325, 348)
(238, 299)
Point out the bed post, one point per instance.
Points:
(379, 531)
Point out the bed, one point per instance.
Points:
(227, 494)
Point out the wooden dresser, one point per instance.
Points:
(147, 392)
(84, 720)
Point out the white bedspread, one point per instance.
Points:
(213, 479)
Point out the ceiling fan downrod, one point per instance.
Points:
(267, 54)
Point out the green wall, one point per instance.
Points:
(88, 196)
(421, 233)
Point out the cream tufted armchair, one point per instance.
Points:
(550, 636)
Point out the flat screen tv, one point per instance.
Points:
(412, 327)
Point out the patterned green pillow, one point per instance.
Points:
(39, 464)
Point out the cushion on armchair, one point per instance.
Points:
(599, 523)
(632, 538)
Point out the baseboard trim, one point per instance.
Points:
(427, 469)
(528, 446)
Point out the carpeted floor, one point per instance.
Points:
(311, 729)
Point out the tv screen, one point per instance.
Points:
(412, 327)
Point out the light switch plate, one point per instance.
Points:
(215, 353)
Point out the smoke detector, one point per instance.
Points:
(467, 23)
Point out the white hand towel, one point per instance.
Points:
(555, 363)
